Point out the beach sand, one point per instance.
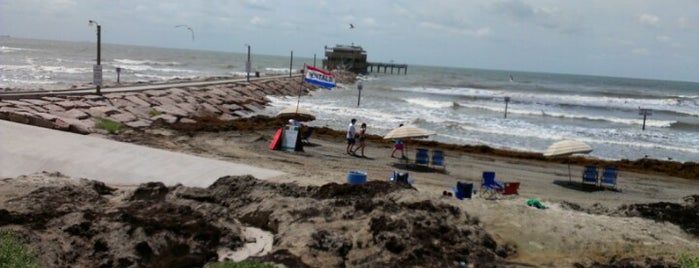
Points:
(581, 225)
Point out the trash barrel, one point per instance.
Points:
(257, 74)
(356, 177)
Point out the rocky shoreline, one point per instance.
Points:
(80, 113)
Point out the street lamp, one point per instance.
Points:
(248, 64)
(359, 95)
(97, 69)
(507, 100)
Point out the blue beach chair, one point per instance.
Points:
(490, 187)
(422, 157)
(438, 159)
(462, 190)
(608, 177)
(590, 175)
(398, 177)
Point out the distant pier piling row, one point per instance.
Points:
(387, 66)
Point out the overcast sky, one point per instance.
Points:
(634, 38)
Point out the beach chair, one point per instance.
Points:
(590, 175)
(306, 134)
(422, 157)
(510, 188)
(490, 187)
(398, 177)
(608, 177)
(438, 159)
(463, 190)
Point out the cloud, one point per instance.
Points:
(258, 4)
(648, 19)
(663, 38)
(687, 24)
(480, 32)
(640, 51)
(257, 21)
(551, 17)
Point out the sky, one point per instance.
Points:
(627, 38)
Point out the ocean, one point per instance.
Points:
(463, 106)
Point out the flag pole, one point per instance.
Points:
(300, 86)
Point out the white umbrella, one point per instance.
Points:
(566, 148)
(297, 113)
(408, 132)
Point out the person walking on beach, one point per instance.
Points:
(351, 131)
(398, 145)
(361, 137)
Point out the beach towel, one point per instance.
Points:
(535, 203)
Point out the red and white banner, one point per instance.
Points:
(319, 77)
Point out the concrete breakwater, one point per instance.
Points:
(80, 113)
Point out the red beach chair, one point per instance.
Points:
(510, 188)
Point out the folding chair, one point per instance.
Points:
(462, 190)
(511, 188)
(608, 177)
(490, 187)
(422, 157)
(438, 159)
(590, 175)
(306, 134)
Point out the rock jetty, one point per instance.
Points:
(80, 113)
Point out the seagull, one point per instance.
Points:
(188, 28)
(351, 26)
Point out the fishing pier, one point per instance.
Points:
(354, 58)
(387, 66)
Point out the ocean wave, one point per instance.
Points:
(626, 121)
(430, 103)
(4, 49)
(687, 106)
(65, 70)
(272, 70)
(146, 68)
(685, 126)
(10, 81)
(162, 77)
(147, 62)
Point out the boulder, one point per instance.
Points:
(141, 123)
(171, 109)
(19, 117)
(76, 114)
(165, 117)
(138, 101)
(123, 117)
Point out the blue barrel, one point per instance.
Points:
(356, 177)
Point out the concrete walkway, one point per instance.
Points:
(26, 149)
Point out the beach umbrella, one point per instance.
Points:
(295, 112)
(567, 148)
(405, 132)
(408, 132)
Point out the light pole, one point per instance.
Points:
(291, 62)
(97, 69)
(644, 113)
(248, 64)
(359, 95)
(507, 100)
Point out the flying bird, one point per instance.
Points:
(351, 26)
(188, 28)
